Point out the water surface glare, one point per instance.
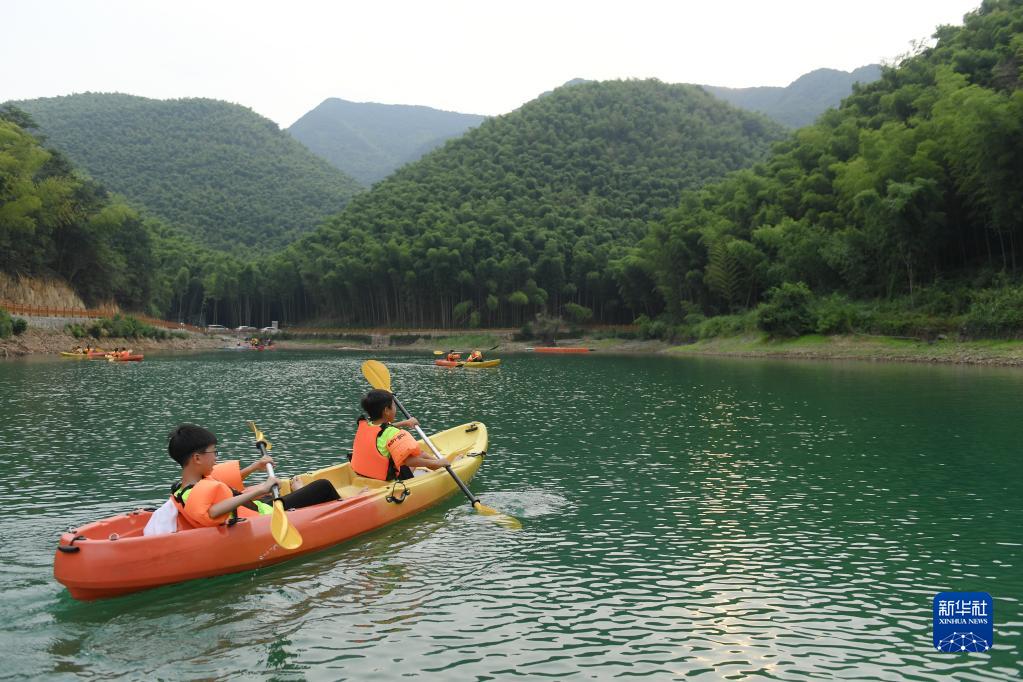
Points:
(682, 518)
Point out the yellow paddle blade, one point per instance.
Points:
(259, 434)
(285, 534)
(376, 374)
(500, 518)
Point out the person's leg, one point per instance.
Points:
(405, 473)
(315, 492)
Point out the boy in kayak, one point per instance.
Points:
(211, 494)
(475, 356)
(382, 449)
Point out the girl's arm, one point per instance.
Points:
(429, 462)
(258, 464)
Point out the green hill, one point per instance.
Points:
(902, 207)
(527, 210)
(803, 100)
(222, 173)
(369, 141)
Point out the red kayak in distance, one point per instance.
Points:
(125, 357)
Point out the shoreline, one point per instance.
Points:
(37, 341)
(988, 352)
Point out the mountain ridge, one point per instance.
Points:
(800, 102)
(224, 174)
(368, 140)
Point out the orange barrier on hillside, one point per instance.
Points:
(95, 313)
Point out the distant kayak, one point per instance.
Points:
(470, 365)
(92, 355)
(559, 349)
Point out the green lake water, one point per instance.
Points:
(682, 518)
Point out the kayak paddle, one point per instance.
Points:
(284, 534)
(442, 352)
(378, 376)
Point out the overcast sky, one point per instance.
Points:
(483, 56)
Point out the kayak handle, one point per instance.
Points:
(404, 493)
(70, 547)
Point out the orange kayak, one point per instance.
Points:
(125, 357)
(559, 349)
(112, 557)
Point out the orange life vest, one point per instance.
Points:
(194, 501)
(454, 357)
(366, 457)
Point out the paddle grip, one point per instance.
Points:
(436, 453)
(269, 469)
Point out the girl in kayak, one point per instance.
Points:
(475, 356)
(383, 450)
(210, 494)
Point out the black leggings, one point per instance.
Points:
(320, 490)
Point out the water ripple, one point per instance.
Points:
(681, 519)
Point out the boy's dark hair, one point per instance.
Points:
(375, 401)
(186, 439)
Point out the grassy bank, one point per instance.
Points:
(861, 347)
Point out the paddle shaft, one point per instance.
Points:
(447, 465)
(463, 352)
(269, 469)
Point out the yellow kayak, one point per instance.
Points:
(92, 355)
(459, 363)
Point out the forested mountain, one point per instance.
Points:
(55, 223)
(912, 189)
(369, 141)
(219, 171)
(528, 211)
(608, 201)
(804, 99)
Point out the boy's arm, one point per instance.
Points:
(230, 504)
